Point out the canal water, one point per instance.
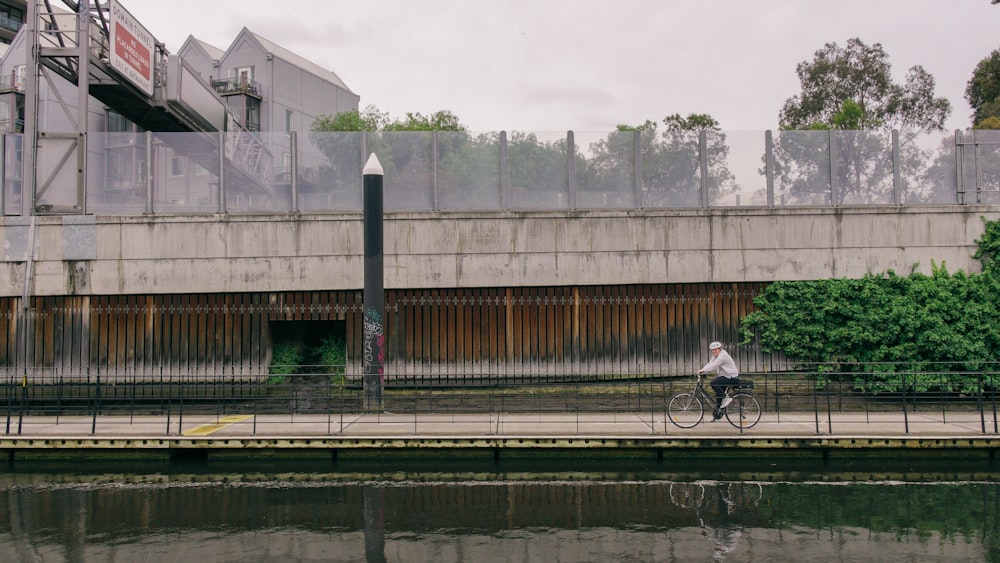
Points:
(481, 511)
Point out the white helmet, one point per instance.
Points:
(715, 346)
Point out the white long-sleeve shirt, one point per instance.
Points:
(722, 364)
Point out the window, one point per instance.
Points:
(117, 123)
(10, 17)
(288, 121)
(176, 166)
(244, 74)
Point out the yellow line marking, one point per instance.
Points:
(206, 429)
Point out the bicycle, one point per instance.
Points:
(687, 409)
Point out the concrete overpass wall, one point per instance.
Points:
(115, 255)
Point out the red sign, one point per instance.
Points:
(131, 49)
(132, 52)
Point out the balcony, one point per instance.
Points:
(11, 83)
(234, 86)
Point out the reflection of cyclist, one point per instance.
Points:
(724, 538)
(723, 526)
(722, 363)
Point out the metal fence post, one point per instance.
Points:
(959, 172)
(977, 170)
(97, 404)
(906, 414)
(980, 404)
(815, 405)
(170, 398)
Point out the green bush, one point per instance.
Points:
(333, 357)
(888, 325)
(286, 359)
(295, 357)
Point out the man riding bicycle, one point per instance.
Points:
(728, 376)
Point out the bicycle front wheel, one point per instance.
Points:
(685, 410)
(744, 411)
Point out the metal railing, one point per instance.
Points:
(818, 402)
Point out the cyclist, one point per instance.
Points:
(728, 375)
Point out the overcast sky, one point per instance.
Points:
(588, 65)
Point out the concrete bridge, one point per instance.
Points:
(195, 254)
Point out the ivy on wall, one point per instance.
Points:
(937, 331)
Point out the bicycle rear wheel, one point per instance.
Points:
(744, 411)
(685, 410)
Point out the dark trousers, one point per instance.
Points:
(719, 384)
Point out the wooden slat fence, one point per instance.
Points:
(432, 336)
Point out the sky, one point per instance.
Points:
(589, 65)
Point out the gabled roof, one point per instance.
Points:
(211, 51)
(291, 58)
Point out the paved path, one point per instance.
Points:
(492, 426)
(800, 436)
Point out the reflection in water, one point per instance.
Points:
(374, 501)
(510, 516)
(719, 508)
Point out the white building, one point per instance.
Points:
(269, 92)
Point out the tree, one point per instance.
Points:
(850, 92)
(405, 157)
(370, 119)
(983, 91)
(671, 160)
(442, 120)
(862, 74)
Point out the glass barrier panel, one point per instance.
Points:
(468, 171)
(671, 174)
(605, 170)
(928, 169)
(407, 158)
(736, 169)
(185, 173)
(12, 167)
(801, 168)
(116, 173)
(863, 167)
(252, 160)
(987, 167)
(332, 163)
(537, 166)
(56, 176)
